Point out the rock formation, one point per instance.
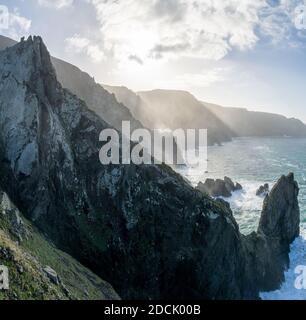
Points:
(279, 225)
(95, 96)
(219, 188)
(144, 229)
(262, 191)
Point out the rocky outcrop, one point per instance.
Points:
(142, 228)
(280, 216)
(278, 227)
(52, 275)
(262, 191)
(219, 188)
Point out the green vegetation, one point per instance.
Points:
(26, 252)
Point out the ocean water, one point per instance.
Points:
(253, 162)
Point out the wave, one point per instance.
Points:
(288, 291)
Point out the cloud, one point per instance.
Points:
(136, 59)
(206, 78)
(277, 20)
(58, 4)
(83, 45)
(17, 25)
(152, 30)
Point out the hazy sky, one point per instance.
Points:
(245, 53)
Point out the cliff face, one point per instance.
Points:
(142, 228)
(163, 109)
(95, 96)
(278, 227)
(39, 271)
(244, 123)
(134, 102)
(6, 42)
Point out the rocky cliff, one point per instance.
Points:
(144, 229)
(245, 123)
(39, 271)
(163, 109)
(166, 108)
(95, 96)
(84, 86)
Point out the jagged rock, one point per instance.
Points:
(278, 227)
(263, 190)
(219, 188)
(142, 228)
(238, 186)
(52, 275)
(281, 215)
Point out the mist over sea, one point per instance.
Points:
(253, 162)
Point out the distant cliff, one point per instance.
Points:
(172, 109)
(96, 97)
(244, 123)
(166, 108)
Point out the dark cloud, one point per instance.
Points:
(173, 9)
(135, 58)
(158, 51)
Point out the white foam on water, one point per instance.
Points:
(288, 291)
(246, 207)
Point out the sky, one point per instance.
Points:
(240, 53)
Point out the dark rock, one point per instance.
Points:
(219, 188)
(6, 253)
(229, 183)
(278, 227)
(281, 215)
(263, 190)
(238, 187)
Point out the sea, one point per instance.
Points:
(253, 162)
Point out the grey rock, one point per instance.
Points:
(52, 275)
(219, 188)
(281, 215)
(238, 187)
(278, 227)
(262, 191)
(16, 225)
